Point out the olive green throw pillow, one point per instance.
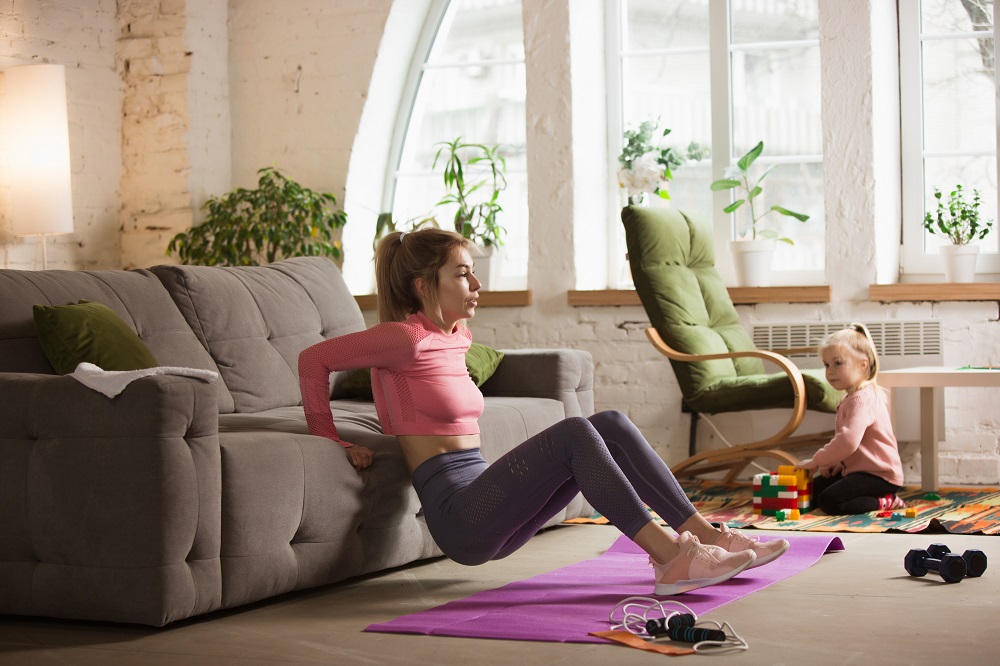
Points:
(481, 362)
(88, 332)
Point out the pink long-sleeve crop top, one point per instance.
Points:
(419, 379)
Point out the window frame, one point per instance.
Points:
(720, 51)
(916, 265)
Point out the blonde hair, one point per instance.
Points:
(856, 339)
(404, 256)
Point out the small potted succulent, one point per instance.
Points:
(752, 253)
(959, 221)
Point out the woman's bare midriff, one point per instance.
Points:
(418, 448)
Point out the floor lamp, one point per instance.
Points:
(37, 146)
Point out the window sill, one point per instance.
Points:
(488, 299)
(739, 296)
(972, 291)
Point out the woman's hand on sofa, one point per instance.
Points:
(360, 456)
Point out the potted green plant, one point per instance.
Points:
(752, 253)
(279, 219)
(474, 176)
(960, 223)
(646, 165)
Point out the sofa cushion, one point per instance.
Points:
(482, 362)
(91, 332)
(254, 321)
(293, 507)
(135, 296)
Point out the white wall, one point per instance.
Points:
(81, 36)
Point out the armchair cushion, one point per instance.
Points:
(673, 266)
(764, 391)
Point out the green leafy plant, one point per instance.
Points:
(959, 220)
(738, 177)
(646, 165)
(277, 220)
(474, 176)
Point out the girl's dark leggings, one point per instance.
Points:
(854, 493)
(478, 512)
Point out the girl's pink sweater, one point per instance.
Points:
(863, 440)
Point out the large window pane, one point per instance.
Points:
(774, 20)
(674, 89)
(798, 187)
(658, 24)
(950, 16)
(959, 100)
(776, 98)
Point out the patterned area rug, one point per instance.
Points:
(955, 510)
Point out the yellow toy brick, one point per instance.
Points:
(794, 515)
(911, 512)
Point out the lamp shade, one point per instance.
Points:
(37, 141)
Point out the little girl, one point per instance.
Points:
(859, 470)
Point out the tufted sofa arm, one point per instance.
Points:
(109, 509)
(566, 375)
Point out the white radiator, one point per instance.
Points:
(901, 344)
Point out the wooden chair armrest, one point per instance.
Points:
(789, 368)
(794, 350)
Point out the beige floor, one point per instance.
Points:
(854, 607)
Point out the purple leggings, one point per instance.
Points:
(478, 512)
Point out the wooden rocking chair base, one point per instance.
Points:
(737, 458)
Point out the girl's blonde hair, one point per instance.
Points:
(404, 256)
(856, 339)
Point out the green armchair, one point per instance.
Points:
(695, 325)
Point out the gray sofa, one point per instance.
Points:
(180, 497)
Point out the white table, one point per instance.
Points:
(931, 380)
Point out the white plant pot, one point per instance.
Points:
(752, 261)
(959, 262)
(488, 270)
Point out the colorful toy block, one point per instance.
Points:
(784, 494)
(911, 512)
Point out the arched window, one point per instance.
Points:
(468, 81)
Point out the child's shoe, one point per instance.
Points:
(890, 502)
(697, 566)
(735, 541)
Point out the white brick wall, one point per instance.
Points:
(80, 36)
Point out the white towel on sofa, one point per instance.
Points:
(113, 382)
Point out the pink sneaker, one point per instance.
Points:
(697, 566)
(735, 541)
(890, 502)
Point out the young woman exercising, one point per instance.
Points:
(475, 511)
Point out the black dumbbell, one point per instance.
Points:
(975, 560)
(950, 567)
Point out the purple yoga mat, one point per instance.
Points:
(567, 604)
